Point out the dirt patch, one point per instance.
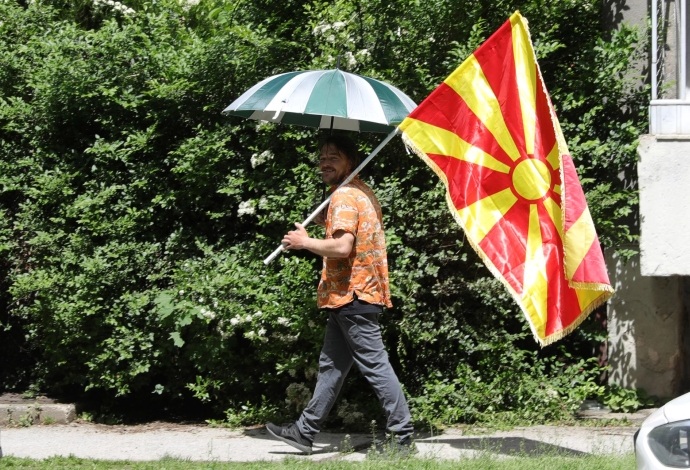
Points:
(154, 426)
(19, 399)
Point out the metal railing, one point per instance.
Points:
(670, 41)
(670, 78)
(684, 50)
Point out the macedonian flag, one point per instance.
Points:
(491, 134)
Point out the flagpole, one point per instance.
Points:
(349, 178)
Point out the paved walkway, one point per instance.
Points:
(43, 429)
(203, 443)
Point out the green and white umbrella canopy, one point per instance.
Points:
(326, 99)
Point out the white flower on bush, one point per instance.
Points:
(220, 328)
(248, 318)
(245, 208)
(236, 320)
(350, 59)
(262, 331)
(253, 336)
(321, 29)
(208, 314)
(283, 321)
(114, 5)
(188, 4)
(261, 158)
(261, 125)
(258, 313)
(285, 338)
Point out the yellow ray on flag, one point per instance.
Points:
(481, 99)
(479, 218)
(438, 141)
(490, 132)
(527, 82)
(535, 298)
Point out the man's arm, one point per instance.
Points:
(340, 246)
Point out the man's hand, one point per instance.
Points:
(340, 246)
(295, 239)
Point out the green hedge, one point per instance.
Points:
(135, 217)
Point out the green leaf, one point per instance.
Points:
(165, 305)
(177, 340)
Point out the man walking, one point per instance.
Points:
(353, 291)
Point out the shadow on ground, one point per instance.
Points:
(513, 446)
(509, 446)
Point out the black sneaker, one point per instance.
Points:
(405, 447)
(394, 447)
(290, 435)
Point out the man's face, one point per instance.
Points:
(333, 164)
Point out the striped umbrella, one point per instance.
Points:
(326, 99)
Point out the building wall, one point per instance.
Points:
(646, 323)
(648, 316)
(664, 184)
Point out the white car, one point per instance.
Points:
(662, 440)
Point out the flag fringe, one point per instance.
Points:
(577, 322)
(592, 286)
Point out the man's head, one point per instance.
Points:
(337, 159)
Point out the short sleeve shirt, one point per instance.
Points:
(364, 274)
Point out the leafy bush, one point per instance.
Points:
(625, 400)
(135, 216)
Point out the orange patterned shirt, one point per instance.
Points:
(355, 209)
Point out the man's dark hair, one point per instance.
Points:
(345, 145)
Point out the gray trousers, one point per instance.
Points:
(355, 339)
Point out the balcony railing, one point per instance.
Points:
(669, 112)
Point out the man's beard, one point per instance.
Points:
(333, 179)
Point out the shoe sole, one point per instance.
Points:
(296, 445)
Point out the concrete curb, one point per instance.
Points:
(37, 413)
(59, 413)
(636, 417)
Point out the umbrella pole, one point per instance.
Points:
(349, 178)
